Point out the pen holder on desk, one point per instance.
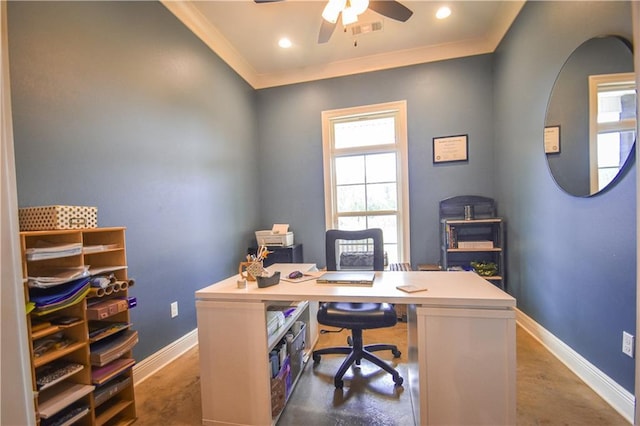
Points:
(268, 281)
(250, 270)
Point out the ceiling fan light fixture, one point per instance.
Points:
(333, 9)
(349, 16)
(359, 6)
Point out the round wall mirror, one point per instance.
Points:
(590, 126)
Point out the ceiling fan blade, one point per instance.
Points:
(326, 29)
(391, 9)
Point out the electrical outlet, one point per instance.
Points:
(174, 309)
(627, 344)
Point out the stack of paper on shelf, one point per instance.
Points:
(102, 375)
(107, 390)
(475, 244)
(52, 277)
(55, 399)
(49, 300)
(46, 250)
(55, 372)
(112, 348)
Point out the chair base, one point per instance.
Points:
(358, 352)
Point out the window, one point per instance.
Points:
(612, 109)
(366, 173)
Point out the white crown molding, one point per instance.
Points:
(191, 17)
(196, 22)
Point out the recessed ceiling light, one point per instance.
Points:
(443, 12)
(285, 43)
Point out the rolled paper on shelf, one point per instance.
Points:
(131, 282)
(116, 286)
(100, 282)
(96, 292)
(108, 290)
(123, 285)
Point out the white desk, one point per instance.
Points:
(462, 353)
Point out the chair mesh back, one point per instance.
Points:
(357, 250)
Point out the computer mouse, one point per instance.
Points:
(295, 274)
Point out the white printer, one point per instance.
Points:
(279, 235)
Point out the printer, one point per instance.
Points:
(279, 236)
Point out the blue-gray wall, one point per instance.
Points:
(443, 99)
(571, 261)
(118, 105)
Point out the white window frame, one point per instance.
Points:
(595, 81)
(399, 109)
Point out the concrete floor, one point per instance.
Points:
(548, 393)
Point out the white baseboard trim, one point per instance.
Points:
(615, 395)
(145, 368)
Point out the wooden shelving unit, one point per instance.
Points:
(59, 333)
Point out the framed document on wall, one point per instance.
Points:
(552, 139)
(450, 148)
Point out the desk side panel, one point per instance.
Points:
(467, 366)
(234, 376)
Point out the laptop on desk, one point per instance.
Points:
(347, 277)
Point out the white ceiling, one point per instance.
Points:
(245, 34)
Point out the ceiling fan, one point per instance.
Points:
(350, 9)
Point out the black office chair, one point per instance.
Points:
(357, 316)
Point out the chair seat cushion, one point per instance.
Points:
(357, 315)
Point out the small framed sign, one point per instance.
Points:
(450, 148)
(552, 139)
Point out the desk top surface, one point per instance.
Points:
(443, 288)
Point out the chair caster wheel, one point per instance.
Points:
(339, 384)
(398, 381)
(396, 353)
(316, 359)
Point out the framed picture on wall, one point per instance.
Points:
(552, 139)
(450, 149)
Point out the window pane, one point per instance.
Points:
(352, 223)
(605, 176)
(382, 196)
(350, 170)
(615, 105)
(364, 132)
(381, 167)
(389, 226)
(608, 149)
(351, 198)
